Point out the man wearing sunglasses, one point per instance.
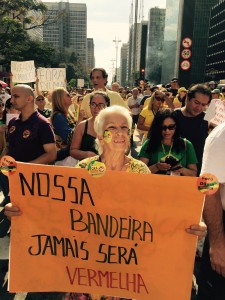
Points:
(174, 86)
(191, 118)
(41, 102)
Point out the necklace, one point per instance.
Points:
(164, 151)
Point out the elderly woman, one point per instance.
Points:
(112, 126)
(165, 151)
(83, 142)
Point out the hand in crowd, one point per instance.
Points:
(161, 166)
(217, 255)
(198, 229)
(3, 128)
(12, 211)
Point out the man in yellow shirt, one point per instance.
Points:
(99, 78)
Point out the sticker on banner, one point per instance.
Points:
(8, 165)
(207, 184)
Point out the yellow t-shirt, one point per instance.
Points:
(134, 166)
(148, 116)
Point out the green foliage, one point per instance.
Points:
(16, 44)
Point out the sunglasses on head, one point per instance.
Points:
(170, 127)
(158, 98)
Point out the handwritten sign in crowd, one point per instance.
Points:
(215, 113)
(122, 234)
(23, 71)
(51, 78)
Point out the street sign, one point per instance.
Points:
(185, 65)
(186, 53)
(187, 42)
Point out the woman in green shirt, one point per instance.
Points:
(164, 151)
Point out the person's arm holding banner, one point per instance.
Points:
(38, 90)
(11, 84)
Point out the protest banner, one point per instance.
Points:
(51, 78)
(80, 82)
(122, 234)
(9, 117)
(23, 71)
(215, 113)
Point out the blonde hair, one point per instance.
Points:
(58, 102)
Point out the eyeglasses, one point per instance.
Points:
(170, 127)
(159, 98)
(99, 105)
(40, 99)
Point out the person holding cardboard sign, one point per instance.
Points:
(112, 125)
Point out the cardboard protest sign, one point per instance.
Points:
(51, 78)
(121, 234)
(23, 71)
(215, 113)
(80, 82)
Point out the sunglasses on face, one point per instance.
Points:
(40, 99)
(174, 81)
(170, 127)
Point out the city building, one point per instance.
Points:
(123, 64)
(170, 41)
(215, 62)
(90, 53)
(66, 28)
(137, 51)
(154, 49)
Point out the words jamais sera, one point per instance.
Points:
(122, 228)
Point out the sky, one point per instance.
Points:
(108, 20)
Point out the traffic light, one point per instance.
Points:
(142, 74)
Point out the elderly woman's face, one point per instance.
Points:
(116, 133)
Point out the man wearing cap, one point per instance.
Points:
(191, 118)
(180, 99)
(216, 94)
(174, 86)
(212, 85)
(99, 78)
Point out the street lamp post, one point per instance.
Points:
(116, 41)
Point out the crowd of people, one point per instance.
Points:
(74, 127)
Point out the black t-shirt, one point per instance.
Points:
(195, 129)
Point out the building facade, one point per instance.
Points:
(123, 64)
(90, 53)
(154, 49)
(194, 32)
(215, 62)
(66, 28)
